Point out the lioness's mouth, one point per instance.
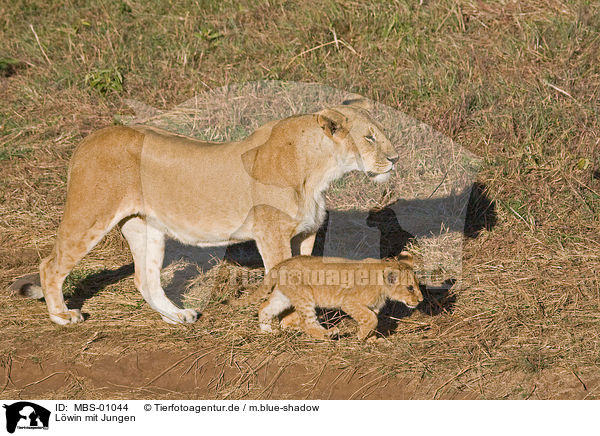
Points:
(373, 174)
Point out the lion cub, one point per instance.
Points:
(359, 288)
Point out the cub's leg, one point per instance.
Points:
(304, 244)
(147, 246)
(366, 318)
(310, 323)
(276, 304)
(291, 320)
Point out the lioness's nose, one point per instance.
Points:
(393, 160)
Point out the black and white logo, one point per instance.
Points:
(26, 415)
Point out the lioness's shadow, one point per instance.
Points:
(93, 283)
(481, 211)
(394, 238)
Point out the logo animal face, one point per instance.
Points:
(26, 414)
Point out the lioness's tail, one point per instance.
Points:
(27, 286)
(257, 294)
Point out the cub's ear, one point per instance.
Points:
(333, 123)
(407, 259)
(391, 276)
(358, 101)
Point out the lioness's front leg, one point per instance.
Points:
(273, 232)
(307, 244)
(303, 244)
(147, 246)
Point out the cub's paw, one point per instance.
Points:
(377, 340)
(182, 316)
(67, 317)
(333, 332)
(291, 321)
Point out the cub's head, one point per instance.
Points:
(404, 285)
(362, 144)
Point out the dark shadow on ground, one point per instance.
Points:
(244, 254)
(481, 211)
(436, 300)
(93, 283)
(394, 238)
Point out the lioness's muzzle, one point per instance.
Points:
(374, 174)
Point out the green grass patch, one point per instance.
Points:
(105, 81)
(15, 153)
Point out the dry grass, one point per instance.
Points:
(516, 83)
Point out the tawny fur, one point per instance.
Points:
(359, 288)
(152, 183)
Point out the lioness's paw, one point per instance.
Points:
(67, 317)
(182, 316)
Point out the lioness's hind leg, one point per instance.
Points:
(147, 246)
(76, 236)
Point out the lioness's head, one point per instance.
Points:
(365, 146)
(401, 278)
(297, 145)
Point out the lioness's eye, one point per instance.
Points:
(410, 288)
(370, 138)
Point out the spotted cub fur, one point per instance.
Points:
(359, 288)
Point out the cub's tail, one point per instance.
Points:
(256, 294)
(27, 286)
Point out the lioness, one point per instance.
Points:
(268, 187)
(359, 288)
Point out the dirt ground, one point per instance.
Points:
(515, 83)
(124, 351)
(92, 363)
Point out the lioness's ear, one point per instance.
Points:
(407, 259)
(333, 124)
(329, 126)
(358, 101)
(391, 276)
